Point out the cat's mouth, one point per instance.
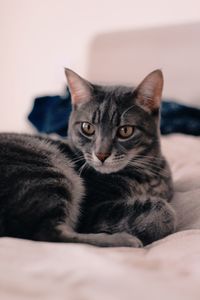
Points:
(111, 165)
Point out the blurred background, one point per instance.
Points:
(107, 40)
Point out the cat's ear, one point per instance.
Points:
(149, 92)
(80, 88)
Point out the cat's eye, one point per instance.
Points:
(124, 132)
(87, 128)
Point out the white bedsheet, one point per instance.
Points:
(167, 269)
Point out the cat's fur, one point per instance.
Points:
(98, 189)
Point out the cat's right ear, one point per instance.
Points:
(149, 92)
(80, 88)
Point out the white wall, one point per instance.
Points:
(39, 37)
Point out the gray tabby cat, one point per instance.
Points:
(108, 184)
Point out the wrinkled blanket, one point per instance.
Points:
(166, 269)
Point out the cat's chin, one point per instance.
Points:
(106, 169)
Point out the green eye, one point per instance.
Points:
(87, 128)
(125, 132)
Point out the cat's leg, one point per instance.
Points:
(121, 239)
(152, 220)
(149, 220)
(63, 233)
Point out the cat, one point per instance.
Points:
(107, 184)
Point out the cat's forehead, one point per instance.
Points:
(106, 111)
(115, 93)
(110, 103)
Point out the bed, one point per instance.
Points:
(166, 269)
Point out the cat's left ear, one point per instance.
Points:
(80, 88)
(149, 92)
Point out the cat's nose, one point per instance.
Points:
(102, 156)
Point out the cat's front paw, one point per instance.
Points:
(127, 240)
(121, 239)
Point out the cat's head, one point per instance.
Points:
(114, 125)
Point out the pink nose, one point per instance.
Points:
(102, 156)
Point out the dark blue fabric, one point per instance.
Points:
(179, 118)
(50, 114)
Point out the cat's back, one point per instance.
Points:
(32, 163)
(13, 145)
(24, 149)
(37, 178)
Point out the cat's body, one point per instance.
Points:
(99, 186)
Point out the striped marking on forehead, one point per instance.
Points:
(106, 113)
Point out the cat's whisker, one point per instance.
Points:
(119, 157)
(159, 171)
(77, 160)
(82, 168)
(147, 163)
(77, 152)
(87, 167)
(148, 157)
(89, 157)
(117, 160)
(154, 172)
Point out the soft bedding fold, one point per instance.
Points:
(166, 269)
